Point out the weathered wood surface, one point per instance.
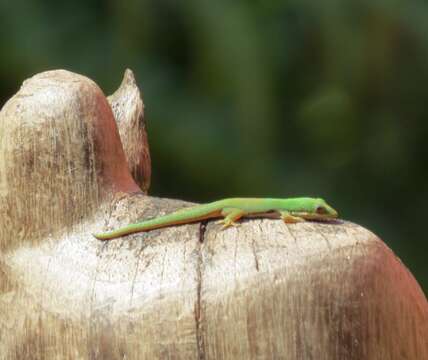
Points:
(265, 290)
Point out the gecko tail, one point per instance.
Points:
(102, 236)
(182, 216)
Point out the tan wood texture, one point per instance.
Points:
(264, 290)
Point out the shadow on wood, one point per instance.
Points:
(263, 290)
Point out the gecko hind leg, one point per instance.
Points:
(230, 216)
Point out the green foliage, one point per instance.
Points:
(265, 98)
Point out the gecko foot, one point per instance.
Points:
(290, 219)
(227, 223)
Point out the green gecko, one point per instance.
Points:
(290, 210)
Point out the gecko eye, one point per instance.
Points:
(321, 210)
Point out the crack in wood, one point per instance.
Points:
(134, 278)
(317, 230)
(198, 305)
(253, 248)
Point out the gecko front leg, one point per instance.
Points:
(290, 219)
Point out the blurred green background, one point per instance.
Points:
(259, 98)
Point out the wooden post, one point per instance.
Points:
(265, 290)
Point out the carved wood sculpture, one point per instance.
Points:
(265, 290)
(128, 110)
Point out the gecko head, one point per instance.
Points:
(318, 209)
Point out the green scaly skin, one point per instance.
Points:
(290, 210)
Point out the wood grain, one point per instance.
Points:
(264, 290)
